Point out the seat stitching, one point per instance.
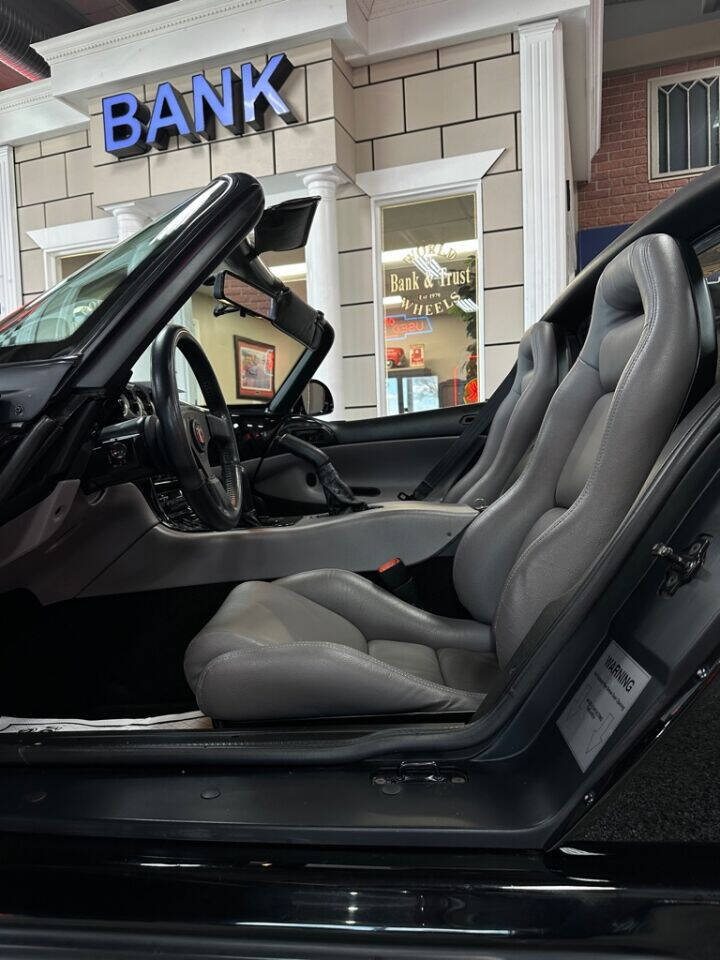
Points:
(229, 634)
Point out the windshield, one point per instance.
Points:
(55, 322)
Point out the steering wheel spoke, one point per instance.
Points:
(219, 429)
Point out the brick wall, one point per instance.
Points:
(620, 190)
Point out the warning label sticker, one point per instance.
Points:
(610, 689)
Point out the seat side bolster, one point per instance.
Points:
(462, 488)
(207, 646)
(381, 616)
(525, 420)
(316, 680)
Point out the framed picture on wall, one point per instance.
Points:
(254, 369)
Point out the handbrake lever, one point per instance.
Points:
(338, 494)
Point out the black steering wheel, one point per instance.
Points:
(198, 443)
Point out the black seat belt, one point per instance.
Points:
(459, 455)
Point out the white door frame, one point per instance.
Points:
(420, 181)
(72, 239)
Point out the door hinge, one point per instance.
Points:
(681, 568)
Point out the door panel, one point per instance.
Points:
(378, 458)
(445, 422)
(375, 471)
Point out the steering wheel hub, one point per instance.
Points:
(198, 435)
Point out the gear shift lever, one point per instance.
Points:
(338, 494)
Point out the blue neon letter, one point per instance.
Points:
(260, 91)
(124, 120)
(169, 112)
(207, 105)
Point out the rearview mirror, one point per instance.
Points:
(285, 226)
(231, 290)
(317, 399)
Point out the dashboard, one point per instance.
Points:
(251, 430)
(129, 448)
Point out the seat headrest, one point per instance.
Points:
(626, 296)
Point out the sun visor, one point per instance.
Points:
(292, 315)
(298, 319)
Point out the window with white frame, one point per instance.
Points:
(684, 118)
(428, 282)
(429, 265)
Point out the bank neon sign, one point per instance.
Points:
(131, 128)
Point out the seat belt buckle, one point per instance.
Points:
(397, 579)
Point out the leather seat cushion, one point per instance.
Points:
(271, 652)
(461, 669)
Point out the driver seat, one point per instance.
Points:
(330, 643)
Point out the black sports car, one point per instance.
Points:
(435, 684)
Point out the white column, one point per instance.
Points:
(323, 275)
(542, 105)
(129, 218)
(10, 282)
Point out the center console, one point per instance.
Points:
(361, 541)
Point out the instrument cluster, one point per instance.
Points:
(135, 400)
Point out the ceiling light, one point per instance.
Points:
(467, 304)
(289, 271)
(427, 265)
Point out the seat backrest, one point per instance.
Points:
(517, 420)
(602, 432)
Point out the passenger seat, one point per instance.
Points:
(516, 423)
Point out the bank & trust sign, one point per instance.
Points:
(130, 128)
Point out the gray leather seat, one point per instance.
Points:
(517, 421)
(329, 643)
